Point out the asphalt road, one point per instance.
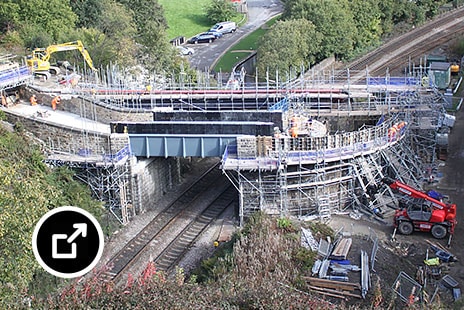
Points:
(259, 11)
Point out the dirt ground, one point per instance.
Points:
(406, 253)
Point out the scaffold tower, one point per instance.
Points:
(107, 175)
(316, 176)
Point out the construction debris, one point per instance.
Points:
(330, 273)
(308, 240)
(453, 285)
(407, 289)
(333, 288)
(342, 248)
(441, 252)
(324, 268)
(324, 248)
(365, 274)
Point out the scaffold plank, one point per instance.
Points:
(341, 249)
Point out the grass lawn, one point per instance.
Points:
(185, 17)
(225, 64)
(238, 52)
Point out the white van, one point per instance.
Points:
(224, 27)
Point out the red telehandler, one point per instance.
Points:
(422, 212)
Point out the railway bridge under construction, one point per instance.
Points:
(308, 151)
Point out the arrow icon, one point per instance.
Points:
(81, 228)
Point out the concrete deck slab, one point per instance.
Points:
(57, 117)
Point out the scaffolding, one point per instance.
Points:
(304, 176)
(342, 171)
(107, 175)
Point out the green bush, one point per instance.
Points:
(285, 224)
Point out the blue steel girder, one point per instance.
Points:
(156, 145)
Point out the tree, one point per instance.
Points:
(115, 40)
(9, 15)
(54, 17)
(88, 12)
(287, 46)
(430, 7)
(394, 13)
(220, 10)
(154, 52)
(51, 20)
(146, 11)
(368, 22)
(333, 19)
(28, 189)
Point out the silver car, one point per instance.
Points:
(185, 50)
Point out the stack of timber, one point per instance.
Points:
(332, 288)
(341, 250)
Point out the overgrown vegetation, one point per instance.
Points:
(262, 269)
(28, 189)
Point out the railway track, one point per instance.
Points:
(164, 221)
(177, 248)
(397, 52)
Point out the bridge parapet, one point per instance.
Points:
(269, 153)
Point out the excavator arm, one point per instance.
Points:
(39, 60)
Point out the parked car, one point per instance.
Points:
(185, 50)
(214, 33)
(224, 27)
(202, 38)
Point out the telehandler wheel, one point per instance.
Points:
(405, 228)
(438, 231)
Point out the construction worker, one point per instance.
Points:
(33, 100)
(55, 101)
(392, 133)
(4, 103)
(294, 132)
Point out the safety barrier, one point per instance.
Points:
(309, 150)
(14, 77)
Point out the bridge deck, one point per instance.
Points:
(60, 118)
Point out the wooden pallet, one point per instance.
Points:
(333, 288)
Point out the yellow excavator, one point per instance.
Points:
(39, 61)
